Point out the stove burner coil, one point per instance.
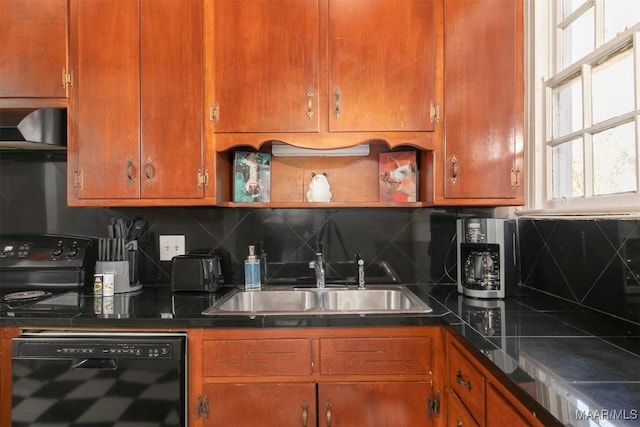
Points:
(26, 295)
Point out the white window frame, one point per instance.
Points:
(540, 53)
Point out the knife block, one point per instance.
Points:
(121, 281)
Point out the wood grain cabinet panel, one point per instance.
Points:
(257, 357)
(382, 65)
(480, 161)
(374, 404)
(33, 48)
(375, 356)
(266, 71)
(261, 404)
(500, 412)
(135, 111)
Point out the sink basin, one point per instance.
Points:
(328, 301)
(285, 301)
(367, 300)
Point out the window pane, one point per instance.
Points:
(568, 169)
(619, 15)
(578, 38)
(569, 6)
(615, 161)
(567, 108)
(613, 88)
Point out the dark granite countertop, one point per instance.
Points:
(583, 366)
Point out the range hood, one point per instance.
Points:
(33, 129)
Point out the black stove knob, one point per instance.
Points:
(57, 251)
(73, 251)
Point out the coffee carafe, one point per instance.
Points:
(487, 257)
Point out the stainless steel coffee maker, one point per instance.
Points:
(487, 257)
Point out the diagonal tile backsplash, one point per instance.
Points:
(593, 262)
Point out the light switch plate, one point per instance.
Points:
(171, 246)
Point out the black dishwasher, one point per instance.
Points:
(99, 379)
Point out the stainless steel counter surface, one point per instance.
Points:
(582, 365)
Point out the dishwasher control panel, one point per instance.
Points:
(97, 347)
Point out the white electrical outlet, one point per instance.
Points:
(171, 246)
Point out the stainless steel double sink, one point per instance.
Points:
(286, 300)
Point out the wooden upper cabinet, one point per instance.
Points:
(33, 48)
(266, 66)
(104, 106)
(171, 99)
(136, 108)
(325, 65)
(482, 156)
(382, 64)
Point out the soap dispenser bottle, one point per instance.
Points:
(252, 271)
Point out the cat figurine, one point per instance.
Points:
(319, 188)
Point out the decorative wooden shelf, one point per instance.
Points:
(354, 180)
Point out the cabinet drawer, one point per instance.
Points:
(248, 358)
(379, 356)
(467, 382)
(457, 414)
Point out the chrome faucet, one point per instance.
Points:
(318, 265)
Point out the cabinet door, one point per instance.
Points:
(6, 335)
(500, 412)
(261, 404)
(483, 105)
(104, 110)
(266, 65)
(171, 98)
(382, 63)
(374, 404)
(33, 48)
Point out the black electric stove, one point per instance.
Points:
(44, 271)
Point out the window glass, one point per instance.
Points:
(568, 6)
(619, 15)
(567, 108)
(568, 169)
(578, 38)
(612, 88)
(615, 161)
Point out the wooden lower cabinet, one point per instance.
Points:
(261, 404)
(394, 404)
(479, 394)
(500, 412)
(6, 334)
(315, 377)
(457, 414)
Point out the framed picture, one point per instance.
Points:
(251, 177)
(398, 176)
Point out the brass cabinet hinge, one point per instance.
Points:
(515, 178)
(203, 179)
(77, 180)
(214, 113)
(433, 405)
(434, 111)
(202, 407)
(67, 78)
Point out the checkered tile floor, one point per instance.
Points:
(131, 396)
